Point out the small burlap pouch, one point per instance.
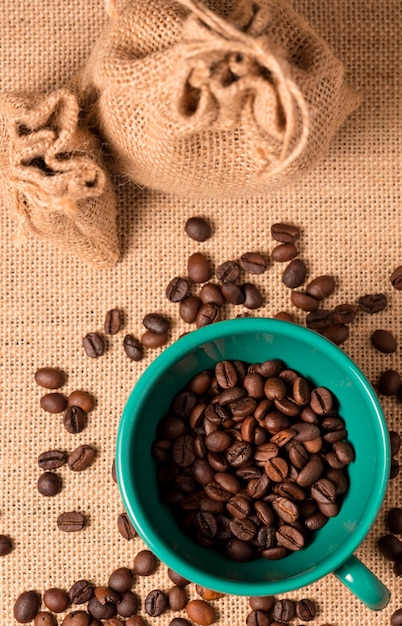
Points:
(236, 98)
(52, 176)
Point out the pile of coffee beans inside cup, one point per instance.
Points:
(251, 457)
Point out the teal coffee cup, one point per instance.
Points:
(330, 549)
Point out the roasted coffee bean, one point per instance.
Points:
(319, 319)
(81, 592)
(50, 377)
(344, 451)
(233, 293)
(276, 421)
(239, 551)
(315, 520)
(199, 268)
(133, 348)
(154, 340)
(274, 554)
(205, 524)
(306, 609)
(74, 419)
(26, 606)
(177, 579)
(228, 482)
(78, 618)
(125, 527)
(372, 303)
(286, 509)
(178, 621)
(113, 322)
(298, 454)
(289, 537)
(344, 313)
(101, 611)
(145, 563)
(262, 603)
(93, 345)
(128, 604)
(183, 451)
(177, 597)
(56, 600)
(294, 274)
(53, 402)
(284, 252)
(394, 520)
(228, 272)
(210, 292)
(276, 468)
(321, 401)
(397, 567)
(121, 580)
(208, 594)
(104, 594)
(285, 233)
(396, 277)
(188, 309)
(44, 618)
(81, 458)
(311, 471)
(177, 289)
(82, 399)
(321, 287)
(253, 262)
(198, 228)
(239, 507)
(239, 453)
(304, 432)
(275, 388)
(396, 618)
(200, 612)
(389, 382)
(207, 314)
(156, 323)
(394, 469)
(49, 484)
(257, 618)
(253, 298)
(390, 547)
(338, 333)
(284, 610)
(304, 301)
(284, 316)
(226, 374)
(71, 521)
(156, 603)
(6, 545)
(383, 341)
(52, 459)
(323, 490)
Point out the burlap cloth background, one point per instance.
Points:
(349, 213)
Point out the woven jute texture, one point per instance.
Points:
(245, 97)
(348, 210)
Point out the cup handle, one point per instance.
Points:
(363, 583)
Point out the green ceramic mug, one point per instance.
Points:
(331, 548)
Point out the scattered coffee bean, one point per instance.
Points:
(156, 603)
(396, 618)
(81, 458)
(188, 309)
(44, 618)
(395, 440)
(156, 323)
(177, 579)
(177, 597)
(200, 612)
(284, 252)
(56, 600)
(179, 621)
(321, 287)
(26, 606)
(78, 618)
(136, 620)
(154, 340)
(304, 301)
(319, 319)
(253, 262)
(81, 592)
(389, 382)
(177, 289)
(121, 580)
(125, 527)
(285, 233)
(338, 333)
(113, 322)
(50, 378)
(199, 268)
(284, 316)
(284, 610)
(383, 341)
(208, 314)
(344, 313)
(74, 419)
(306, 609)
(70, 521)
(208, 594)
(396, 277)
(53, 402)
(127, 604)
(49, 484)
(394, 520)
(82, 399)
(390, 547)
(294, 274)
(253, 298)
(93, 345)
(372, 303)
(233, 293)
(52, 459)
(145, 563)
(257, 618)
(198, 229)
(211, 293)
(262, 603)
(100, 610)
(133, 348)
(6, 545)
(228, 272)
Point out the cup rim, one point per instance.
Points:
(171, 356)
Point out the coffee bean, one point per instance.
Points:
(52, 459)
(233, 293)
(56, 600)
(128, 604)
(199, 268)
(253, 262)
(94, 345)
(74, 419)
(321, 287)
(344, 313)
(49, 484)
(177, 289)
(156, 603)
(133, 348)
(284, 252)
(154, 340)
(145, 563)
(125, 527)
(208, 594)
(310, 472)
(289, 537)
(257, 618)
(177, 579)
(344, 451)
(306, 609)
(383, 341)
(304, 301)
(81, 458)
(71, 521)
(394, 520)
(284, 316)
(177, 597)
(78, 618)
(136, 620)
(262, 603)
(44, 618)
(372, 303)
(6, 545)
(319, 319)
(50, 377)
(53, 402)
(188, 309)
(26, 606)
(198, 228)
(321, 401)
(285, 233)
(207, 314)
(390, 547)
(396, 618)
(100, 610)
(156, 323)
(284, 610)
(253, 298)
(389, 382)
(338, 333)
(179, 621)
(121, 580)
(395, 440)
(80, 592)
(113, 322)
(210, 292)
(82, 399)
(294, 274)
(200, 612)
(228, 272)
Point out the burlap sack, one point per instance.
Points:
(202, 103)
(52, 176)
